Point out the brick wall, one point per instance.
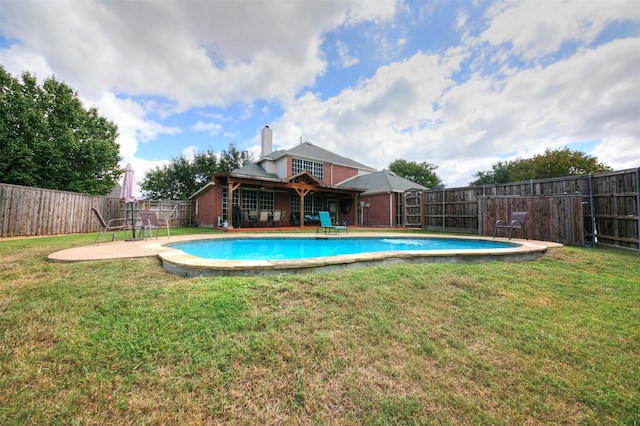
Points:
(335, 174)
(377, 212)
(208, 207)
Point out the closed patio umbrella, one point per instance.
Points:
(129, 194)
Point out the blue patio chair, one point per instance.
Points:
(325, 223)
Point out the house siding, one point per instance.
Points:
(270, 167)
(282, 168)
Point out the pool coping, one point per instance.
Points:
(180, 263)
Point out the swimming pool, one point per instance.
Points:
(259, 254)
(275, 248)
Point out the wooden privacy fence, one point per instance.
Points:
(178, 216)
(26, 211)
(553, 218)
(610, 206)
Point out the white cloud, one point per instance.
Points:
(345, 59)
(211, 129)
(190, 152)
(388, 113)
(538, 28)
(461, 21)
(366, 10)
(195, 53)
(16, 60)
(133, 126)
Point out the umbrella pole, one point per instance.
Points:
(133, 225)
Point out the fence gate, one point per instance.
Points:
(413, 209)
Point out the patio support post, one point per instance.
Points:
(302, 192)
(356, 199)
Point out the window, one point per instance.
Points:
(225, 202)
(249, 200)
(315, 168)
(312, 204)
(266, 201)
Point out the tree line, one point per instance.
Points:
(49, 140)
(182, 177)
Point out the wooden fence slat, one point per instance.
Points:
(26, 211)
(548, 219)
(610, 200)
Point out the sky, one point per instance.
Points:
(458, 84)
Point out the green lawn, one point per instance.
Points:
(122, 342)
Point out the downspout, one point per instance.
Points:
(390, 209)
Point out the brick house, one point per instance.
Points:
(289, 187)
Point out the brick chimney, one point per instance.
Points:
(267, 141)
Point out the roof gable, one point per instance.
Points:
(304, 177)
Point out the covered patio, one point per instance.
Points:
(250, 201)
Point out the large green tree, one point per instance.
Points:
(182, 177)
(49, 140)
(553, 163)
(421, 173)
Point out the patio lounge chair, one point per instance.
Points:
(516, 221)
(311, 219)
(295, 219)
(325, 223)
(150, 221)
(253, 217)
(264, 217)
(277, 215)
(110, 225)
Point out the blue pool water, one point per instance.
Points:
(302, 248)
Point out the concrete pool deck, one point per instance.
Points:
(180, 263)
(118, 249)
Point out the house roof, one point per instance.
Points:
(309, 151)
(368, 183)
(254, 170)
(202, 190)
(115, 192)
(381, 182)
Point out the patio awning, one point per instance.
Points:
(301, 182)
